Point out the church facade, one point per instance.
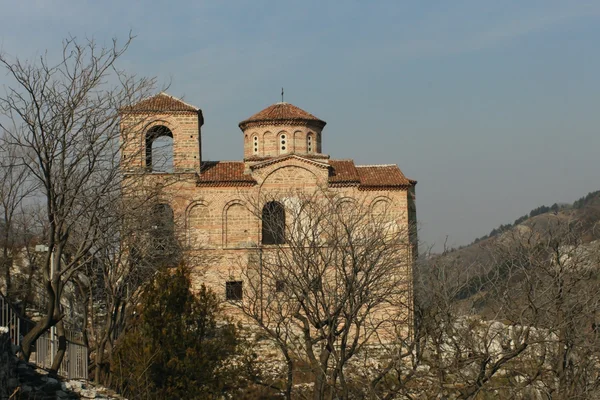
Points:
(283, 153)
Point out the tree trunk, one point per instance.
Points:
(319, 369)
(41, 327)
(6, 265)
(99, 359)
(62, 347)
(290, 375)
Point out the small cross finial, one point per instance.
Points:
(282, 95)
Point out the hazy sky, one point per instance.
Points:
(493, 106)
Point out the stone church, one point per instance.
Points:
(282, 150)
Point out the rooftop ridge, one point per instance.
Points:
(223, 161)
(275, 160)
(161, 102)
(279, 113)
(375, 165)
(178, 99)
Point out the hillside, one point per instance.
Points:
(472, 269)
(586, 208)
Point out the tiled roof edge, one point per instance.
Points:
(280, 159)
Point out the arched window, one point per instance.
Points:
(381, 209)
(198, 225)
(255, 145)
(273, 223)
(163, 246)
(159, 149)
(283, 143)
(310, 143)
(163, 223)
(236, 225)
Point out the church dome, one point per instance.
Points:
(281, 114)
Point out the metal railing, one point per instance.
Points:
(75, 361)
(10, 319)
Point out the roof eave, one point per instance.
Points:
(363, 187)
(279, 122)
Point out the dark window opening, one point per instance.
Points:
(159, 149)
(316, 284)
(279, 285)
(164, 246)
(233, 290)
(273, 223)
(282, 143)
(163, 221)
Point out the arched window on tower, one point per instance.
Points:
(310, 143)
(273, 223)
(284, 144)
(159, 149)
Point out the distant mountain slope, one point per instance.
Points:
(586, 207)
(473, 268)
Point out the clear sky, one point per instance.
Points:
(493, 106)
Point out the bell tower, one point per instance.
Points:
(161, 134)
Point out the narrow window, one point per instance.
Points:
(273, 223)
(283, 144)
(316, 284)
(163, 246)
(309, 143)
(233, 290)
(279, 285)
(163, 223)
(255, 145)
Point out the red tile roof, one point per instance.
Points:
(274, 160)
(161, 102)
(382, 176)
(343, 172)
(315, 156)
(224, 173)
(367, 177)
(282, 113)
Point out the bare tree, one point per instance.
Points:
(551, 282)
(62, 117)
(124, 262)
(333, 279)
(15, 188)
(517, 322)
(459, 349)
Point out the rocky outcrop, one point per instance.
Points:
(8, 366)
(22, 380)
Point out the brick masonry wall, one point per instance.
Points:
(185, 128)
(269, 140)
(219, 224)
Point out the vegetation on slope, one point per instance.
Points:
(589, 199)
